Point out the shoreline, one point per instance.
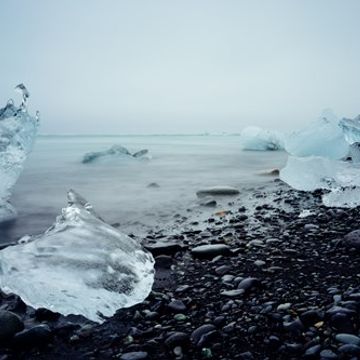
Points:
(285, 288)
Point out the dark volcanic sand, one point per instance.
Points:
(302, 292)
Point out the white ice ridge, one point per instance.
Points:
(255, 138)
(115, 152)
(17, 134)
(80, 265)
(327, 157)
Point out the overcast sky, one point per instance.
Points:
(160, 66)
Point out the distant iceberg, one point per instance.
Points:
(18, 130)
(327, 156)
(80, 265)
(115, 152)
(255, 138)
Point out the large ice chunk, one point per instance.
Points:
(80, 265)
(310, 173)
(255, 138)
(115, 152)
(323, 137)
(316, 172)
(17, 134)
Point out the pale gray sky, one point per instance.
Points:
(160, 66)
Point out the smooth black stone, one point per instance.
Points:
(352, 239)
(342, 323)
(312, 352)
(177, 338)
(177, 306)
(246, 356)
(163, 261)
(162, 248)
(311, 317)
(248, 283)
(10, 324)
(222, 270)
(134, 355)
(37, 336)
(202, 330)
(42, 314)
(349, 349)
(219, 320)
(273, 342)
(210, 251)
(327, 354)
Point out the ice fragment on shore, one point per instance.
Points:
(316, 172)
(341, 178)
(116, 151)
(305, 213)
(17, 134)
(80, 265)
(255, 138)
(324, 138)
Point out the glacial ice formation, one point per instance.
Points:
(328, 157)
(255, 138)
(115, 152)
(323, 137)
(17, 134)
(80, 265)
(316, 172)
(351, 129)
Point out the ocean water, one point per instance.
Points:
(118, 189)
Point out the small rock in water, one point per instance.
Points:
(273, 172)
(218, 191)
(208, 201)
(153, 185)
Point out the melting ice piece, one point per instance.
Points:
(17, 134)
(351, 129)
(341, 178)
(255, 138)
(116, 151)
(343, 197)
(25, 94)
(80, 265)
(316, 172)
(305, 213)
(324, 137)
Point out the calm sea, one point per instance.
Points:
(118, 189)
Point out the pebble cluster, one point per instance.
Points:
(259, 283)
